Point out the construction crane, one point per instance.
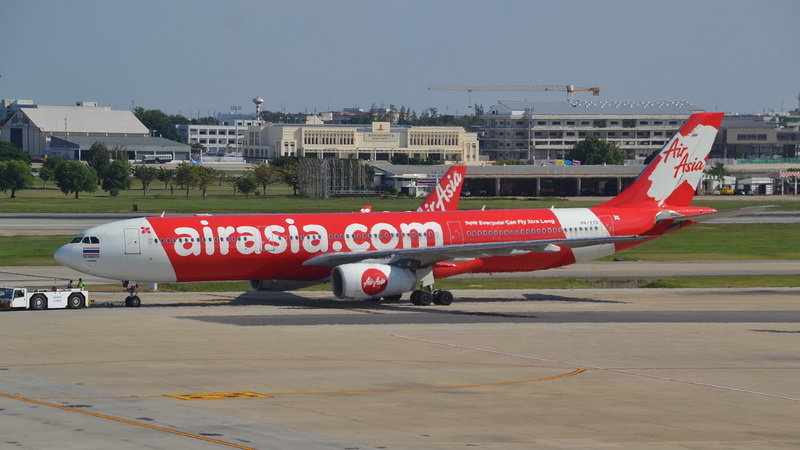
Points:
(568, 88)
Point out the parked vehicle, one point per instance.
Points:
(21, 298)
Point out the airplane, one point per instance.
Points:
(388, 254)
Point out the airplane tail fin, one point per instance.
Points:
(445, 195)
(672, 177)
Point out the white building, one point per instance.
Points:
(540, 131)
(32, 128)
(9, 106)
(378, 142)
(218, 139)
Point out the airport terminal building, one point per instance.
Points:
(377, 142)
(541, 131)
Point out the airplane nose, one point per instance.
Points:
(64, 255)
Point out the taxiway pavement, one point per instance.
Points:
(635, 368)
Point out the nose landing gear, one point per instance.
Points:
(132, 300)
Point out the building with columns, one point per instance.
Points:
(377, 142)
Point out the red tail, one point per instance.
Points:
(672, 177)
(447, 192)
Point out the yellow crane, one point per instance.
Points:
(568, 88)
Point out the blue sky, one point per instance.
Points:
(201, 57)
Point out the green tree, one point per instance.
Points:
(266, 174)
(718, 171)
(288, 167)
(399, 159)
(146, 175)
(158, 123)
(74, 176)
(117, 177)
(596, 151)
(15, 175)
(167, 176)
(205, 176)
(246, 184)
(48, 170)
(99, 159)
(186, 176)
(120, 153)
(9, 151)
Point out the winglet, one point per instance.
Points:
(447, 192)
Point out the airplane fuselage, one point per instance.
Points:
(276, 246)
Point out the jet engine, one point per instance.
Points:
(361, 281)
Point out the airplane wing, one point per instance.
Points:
(666, 215)
(427, 256)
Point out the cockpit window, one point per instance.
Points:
(76, 239)
(94, 240)
(86, 240)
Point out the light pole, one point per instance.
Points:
(235, 113)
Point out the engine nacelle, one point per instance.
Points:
(362, 281)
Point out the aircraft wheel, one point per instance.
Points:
(424, 298)
(445, 298)
(133, 301)
(75, 301)
(393, 298)
(38, 302)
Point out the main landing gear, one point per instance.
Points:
(132, 300)
(426, 296)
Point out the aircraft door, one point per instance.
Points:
(456, 233)
(132, 246)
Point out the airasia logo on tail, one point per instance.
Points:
(373, 281)
(444, 192)
(680, 153)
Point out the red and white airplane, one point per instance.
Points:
(386, 254)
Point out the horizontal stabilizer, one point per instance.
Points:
(704, 217)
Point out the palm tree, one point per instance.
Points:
(718, 172)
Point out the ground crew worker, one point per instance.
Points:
(80, 283)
